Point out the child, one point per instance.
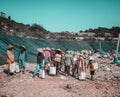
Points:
(92, 70)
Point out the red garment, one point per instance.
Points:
(91, 67)
(52, 54)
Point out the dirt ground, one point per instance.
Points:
(106, 83)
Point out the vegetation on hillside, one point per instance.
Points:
(11, 27)
(105, 32)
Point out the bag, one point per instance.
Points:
(42, 73)
(17, 68)
(95, 65)
(12, 67)
(52, 71)
(82, 76)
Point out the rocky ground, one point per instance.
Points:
(106, 83)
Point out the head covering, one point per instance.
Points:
(44, 49)
(52, 49)
(23, 47)
(81, 56)
(63, 52)
(91, 58)
(40, 50)
(48, 49)
(58, 49)
(10, 46)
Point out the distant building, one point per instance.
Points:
(2, 14)
(79, 38)
(89, 34)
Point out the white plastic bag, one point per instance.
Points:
(52, 71)
(17, 68)
(82, 76)
(95, 65)
(12, 67)
(42, 73)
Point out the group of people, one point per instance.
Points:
(64, 61)
(22, 57)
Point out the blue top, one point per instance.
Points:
(115, 61)
(22, 55)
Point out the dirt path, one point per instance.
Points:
(106, 84)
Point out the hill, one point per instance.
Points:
(11, 27)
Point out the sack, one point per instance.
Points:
(52, 71)
(12, 67)
(42, 73)
(82, 76)
(95, 65)
(17, 68)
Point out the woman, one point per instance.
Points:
(57, 60)
(10, 57)
(40, 59)
(80, 65)
(22, 57)
(68, 62)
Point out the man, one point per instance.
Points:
(10, 57)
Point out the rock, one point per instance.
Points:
(69, 86)
(97, 87)
(107, 69)
(105, 79)
(114, 79)
(64, 78)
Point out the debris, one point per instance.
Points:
(106, 84)
(68, 86)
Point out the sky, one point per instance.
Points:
(64, 15)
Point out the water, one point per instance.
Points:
(33, 44)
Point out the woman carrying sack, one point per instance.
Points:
(40, 59)
(10, 57)
(81, 67)
(57, 60)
